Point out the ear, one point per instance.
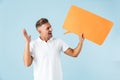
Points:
(39, 29)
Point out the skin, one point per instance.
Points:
(45, 32)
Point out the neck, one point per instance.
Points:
(44, 38)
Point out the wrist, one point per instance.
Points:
(81, 41)
(27, 43)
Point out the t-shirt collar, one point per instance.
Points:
(44, 41)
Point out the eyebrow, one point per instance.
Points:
(48, 27)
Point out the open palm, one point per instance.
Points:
(26, 36)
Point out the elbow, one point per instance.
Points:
(27, 65)
(27, 62)
(75, 55)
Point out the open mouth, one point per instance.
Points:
(50, 33)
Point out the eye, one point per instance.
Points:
(48, 28)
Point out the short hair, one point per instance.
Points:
(41, 21)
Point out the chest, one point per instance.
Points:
(44, 49)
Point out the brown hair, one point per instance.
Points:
(41, 21)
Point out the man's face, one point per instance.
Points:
(45, 30)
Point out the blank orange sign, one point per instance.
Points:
(94, 27)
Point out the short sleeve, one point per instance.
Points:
(31, 49)
(64, 46)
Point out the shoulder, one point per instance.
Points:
(33, 42)
(58, 40)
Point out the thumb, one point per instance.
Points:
(29, 36)
(83, 35)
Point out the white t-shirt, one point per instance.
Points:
(46, 62)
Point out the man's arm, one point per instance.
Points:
(27, 56)
(75, 52)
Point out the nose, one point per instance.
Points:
(50, 29)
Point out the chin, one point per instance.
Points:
(50, 36)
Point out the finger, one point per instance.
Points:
(25, 32)
(83, 35)
(30, 37)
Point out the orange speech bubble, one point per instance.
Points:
(94, 27)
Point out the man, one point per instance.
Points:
(44, 52)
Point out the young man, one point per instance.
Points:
(45, 51)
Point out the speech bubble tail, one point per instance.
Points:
(67, 32)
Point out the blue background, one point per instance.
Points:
(94, 63)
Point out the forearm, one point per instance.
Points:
(27, 56)
(77, 50)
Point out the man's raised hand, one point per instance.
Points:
(26, 36)
(81, 37)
